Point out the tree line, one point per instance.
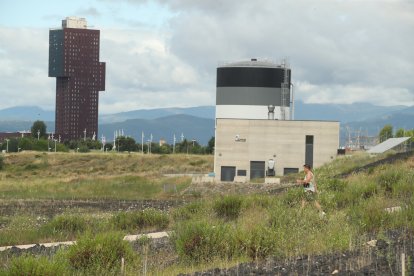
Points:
(388, 132)
(40, 141)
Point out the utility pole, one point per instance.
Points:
(142, 142)
(38, 134)
(174, 143)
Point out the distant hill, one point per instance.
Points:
(200, 129)
(13, 126)
(199, 111)
(400, 119)
(26, 113)
(343, 112)
(198, 122)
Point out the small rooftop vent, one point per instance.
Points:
(271, 113)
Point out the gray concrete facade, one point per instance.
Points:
(241, 141)
(250, 96)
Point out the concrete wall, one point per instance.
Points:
(283, 141)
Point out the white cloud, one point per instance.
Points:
(339, 51)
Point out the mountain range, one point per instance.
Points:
(198, 122)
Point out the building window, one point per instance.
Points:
(287, 171)
(241, 172)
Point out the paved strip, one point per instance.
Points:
(129, 238)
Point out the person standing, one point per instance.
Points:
(310, 189)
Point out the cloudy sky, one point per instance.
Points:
(164, 53)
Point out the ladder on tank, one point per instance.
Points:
(284, 93)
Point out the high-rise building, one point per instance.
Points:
(74, 62)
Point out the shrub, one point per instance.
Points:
(68, 224)
(199, 241)
(388, 178)
(187, 211)
(334, 184)
(83, 148)
(370, 215)
(260, 242)
(228, 207)
(35, 266)
(131, 221)
(292, 197)
(103, 251)
(354, 193)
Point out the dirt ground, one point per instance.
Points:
(51, 208)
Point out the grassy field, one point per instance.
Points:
(96, 175)
(208, 232)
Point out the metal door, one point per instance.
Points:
(257, 169)
(227, 173)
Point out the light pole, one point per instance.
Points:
(38, 134)
(142, 142)
(174, 143)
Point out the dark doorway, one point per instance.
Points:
(309, 150)
(257, 169)
(228, 173)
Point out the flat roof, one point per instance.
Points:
(278, 120)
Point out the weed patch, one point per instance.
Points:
(228, 207)
(137, 220)
(102, 251)
(35, 266)
(200, 241)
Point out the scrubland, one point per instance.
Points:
(205, 231)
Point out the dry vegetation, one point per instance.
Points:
(95, 175)
(214, 231)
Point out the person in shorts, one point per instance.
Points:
(310, 188)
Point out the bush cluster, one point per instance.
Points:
(199, 241)
(228, 207)
(102, 251)
(35, 266)
(68, 224)
(132, 221)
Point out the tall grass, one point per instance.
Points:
(228, 207)
(35, 266)
(100, 251)
(138, 220)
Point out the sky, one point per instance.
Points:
(164, 53)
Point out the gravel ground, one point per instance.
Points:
(382, 259)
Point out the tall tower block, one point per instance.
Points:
(74, 62)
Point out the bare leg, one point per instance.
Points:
(318, 206)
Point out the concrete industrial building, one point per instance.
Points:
(74, 62)
(255, 137)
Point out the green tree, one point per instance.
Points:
(210, 145)
(39, 127)
(400, 133)
(125, 144)
(385, 133)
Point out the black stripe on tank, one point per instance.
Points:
(250, 77)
